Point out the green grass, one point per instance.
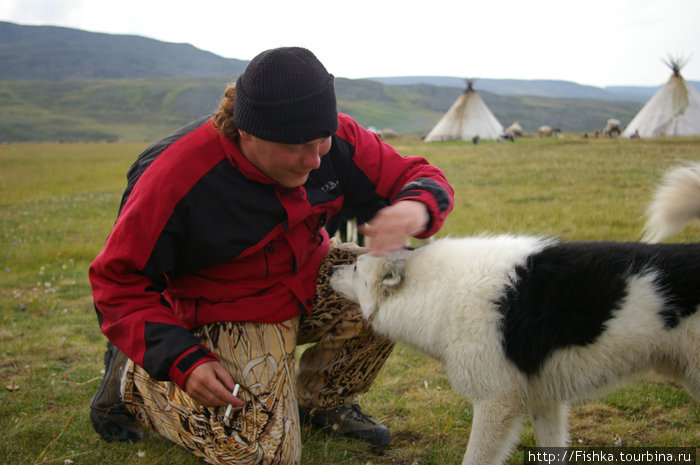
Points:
(58, 203)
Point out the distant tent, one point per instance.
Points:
(674, 110)
(468, 118)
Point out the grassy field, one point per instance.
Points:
(58, 203)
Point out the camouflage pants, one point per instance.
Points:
(343, 362)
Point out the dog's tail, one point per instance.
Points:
(675, 204)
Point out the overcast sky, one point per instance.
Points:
(596, 42)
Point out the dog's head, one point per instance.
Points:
(369, 281)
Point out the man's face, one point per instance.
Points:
(288, 164)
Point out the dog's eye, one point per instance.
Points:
(354, 268)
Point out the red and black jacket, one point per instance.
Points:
(203, 236)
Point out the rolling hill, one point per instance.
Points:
(536, 88)
(59, 53)
(65, 84)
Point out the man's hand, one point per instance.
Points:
(211, 385)
(392, 226)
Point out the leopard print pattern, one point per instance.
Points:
(264, 431)
(347, 355)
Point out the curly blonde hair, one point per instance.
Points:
(223, 118)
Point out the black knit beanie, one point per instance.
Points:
(286, 95)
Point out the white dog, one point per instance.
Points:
(530, 325)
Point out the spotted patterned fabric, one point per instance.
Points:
(343, 362)
(347, 354)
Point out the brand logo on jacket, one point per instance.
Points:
(329, 186)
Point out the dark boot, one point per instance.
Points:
(348, 420)
(109, 415)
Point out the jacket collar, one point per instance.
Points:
(238, 160)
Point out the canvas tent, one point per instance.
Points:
(674, 110)
(466, 119)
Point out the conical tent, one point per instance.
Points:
(674, 110)
(466, 119)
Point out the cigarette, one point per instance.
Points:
(228, 409)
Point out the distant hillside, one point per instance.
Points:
(535, 88)
(51, 53)
(147, 109)
(64, 84)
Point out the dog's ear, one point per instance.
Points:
(391, 275)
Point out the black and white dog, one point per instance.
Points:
(528, 325)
